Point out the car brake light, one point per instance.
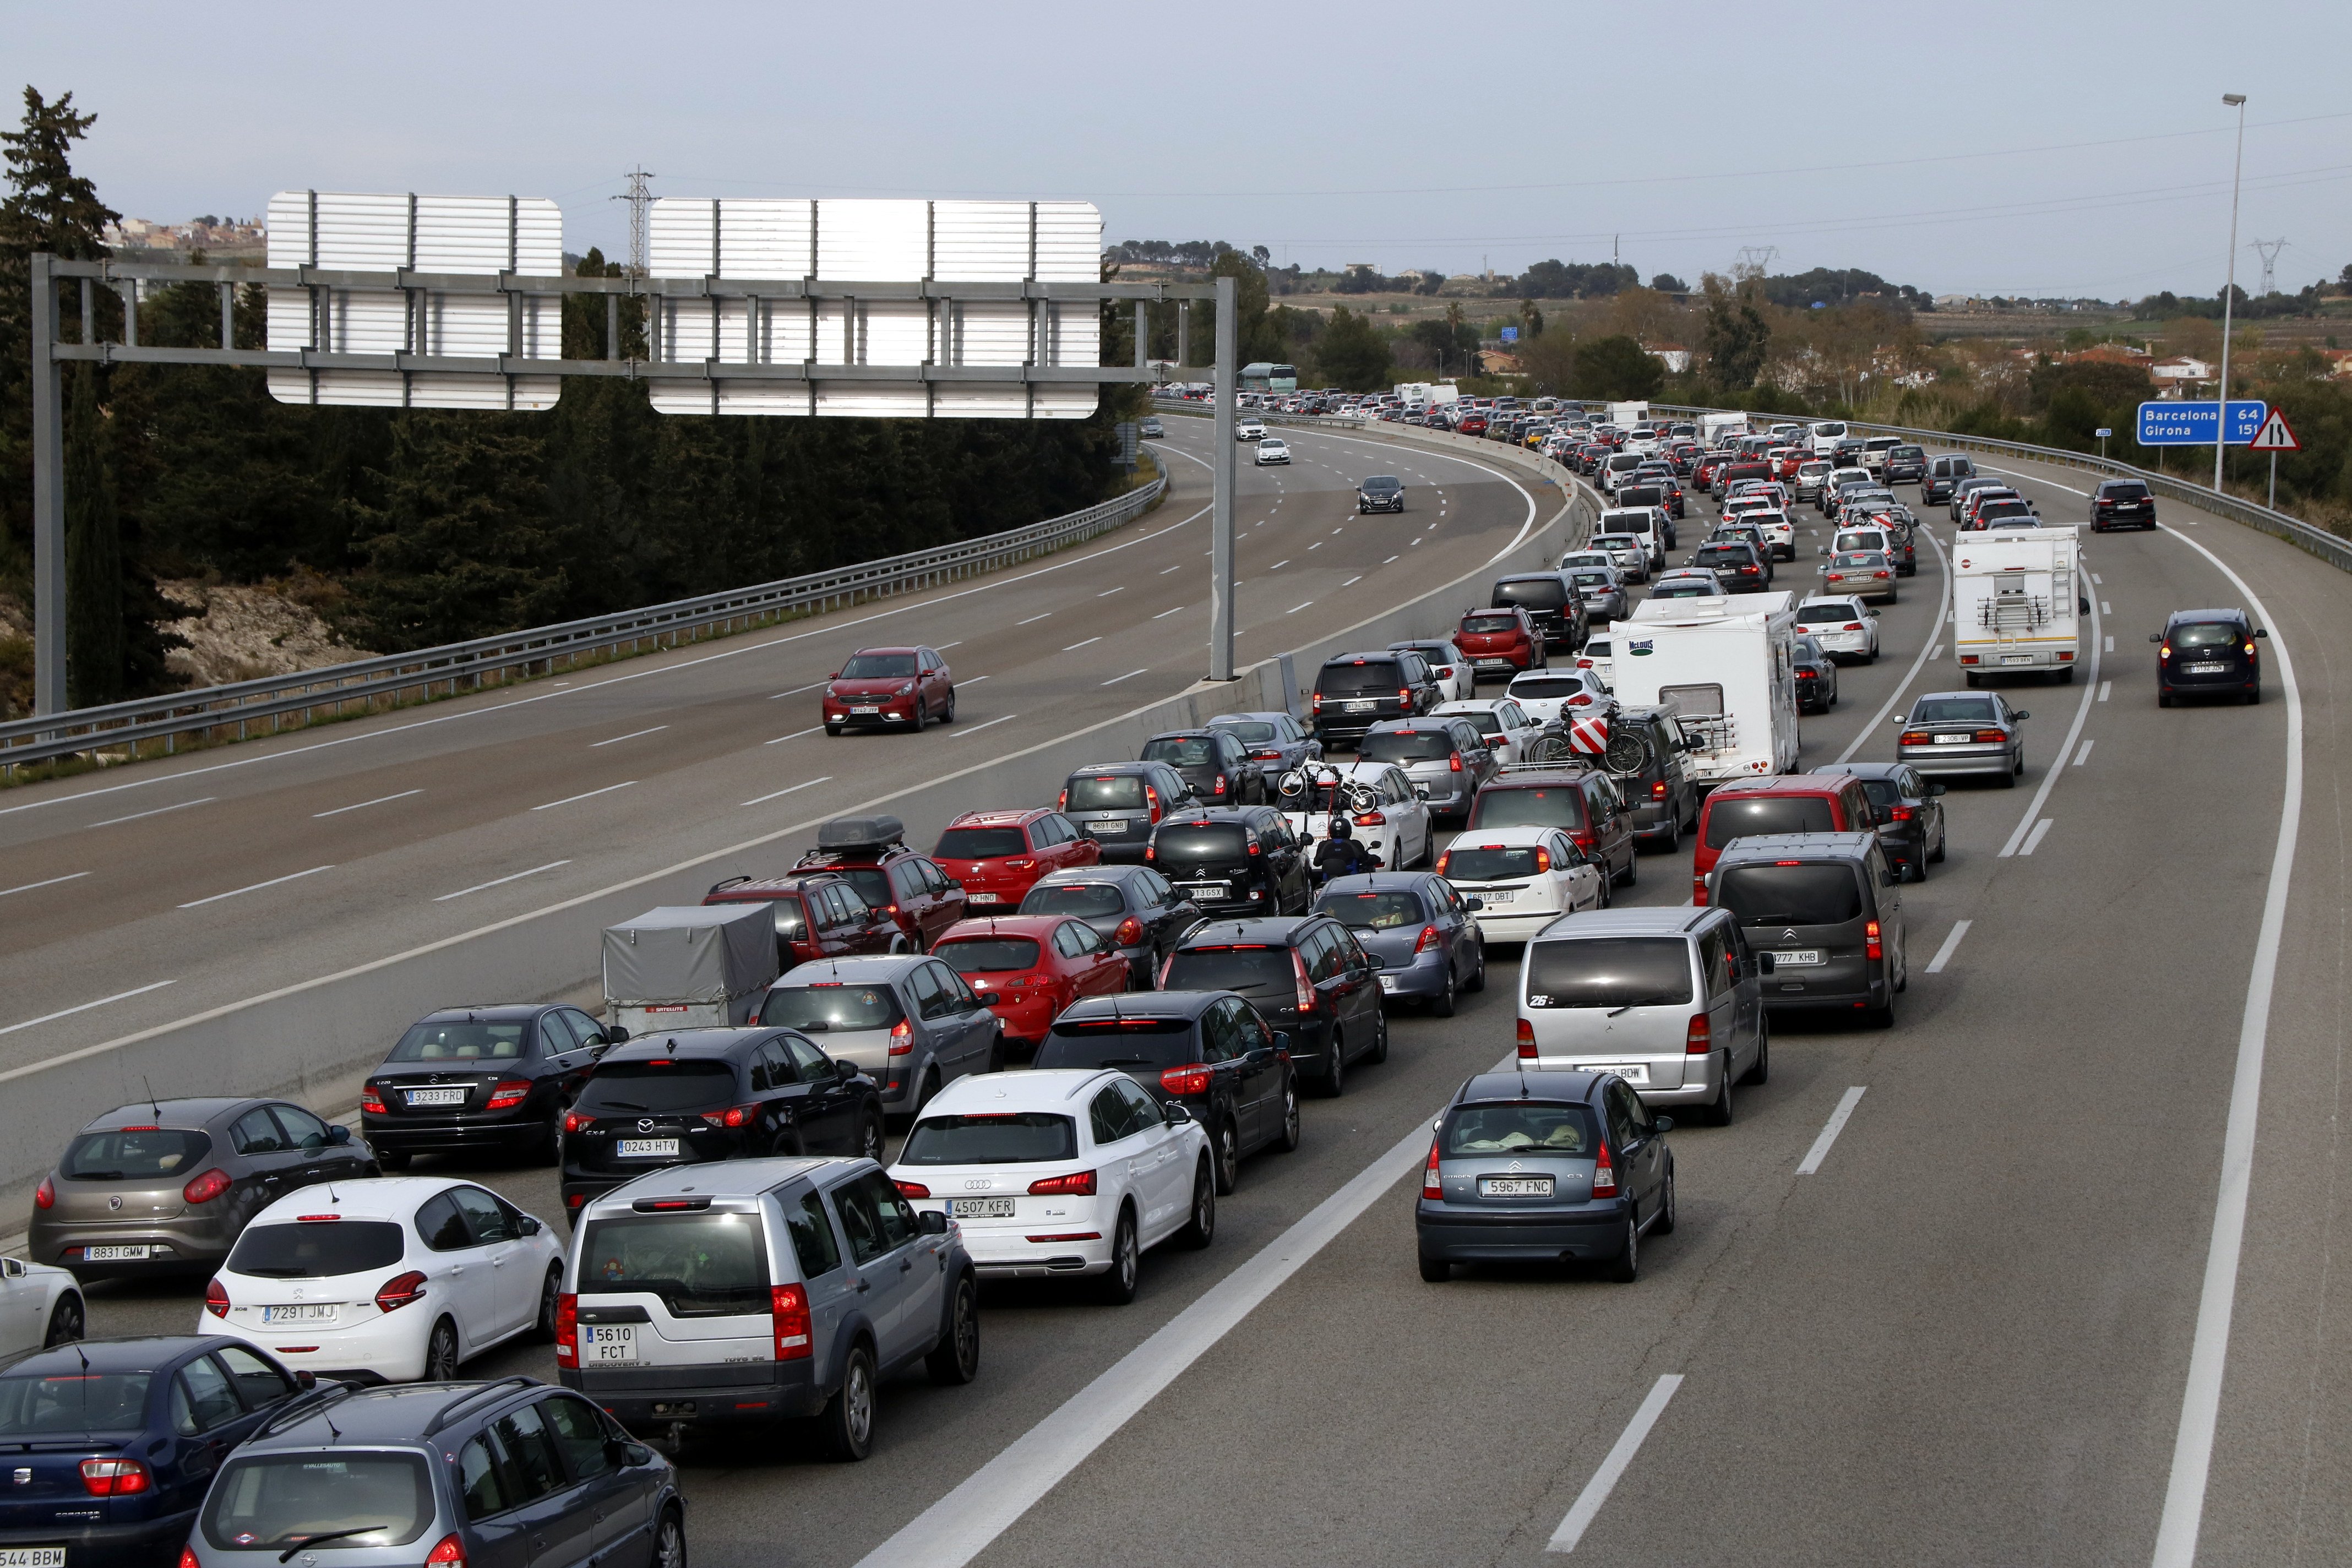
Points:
(188, 1557)
(1078, 1185)
(450, 1553)
(1526, 1040)
(1543, 860)
(1151, 801)
(1871, 946)
(788, 1313)
(1317, 701)
(204, 1189)
(2165, 651)
(370, 1099)
(567, 1328)
(1023, 864)
(1404, 694)
(1917, 738)
(1304, 994)
(1852, 626)
(1427, 942)
(114, 1477)
(217, 1298)
(577, 1120)
(1604, 1175)
(509, 1094)
(912, 1189)
(1699, 1038)
(1193, 1078)
(1255, 849)
(400, 1290)
(1432, 1186)
(1062, 801)
(902, 1039)
(1221, 783)
(1370, 819)
(1442, 859)
(2250, 650)
(1989, 737)
(741, 1115)
(44, 1196)
(1898, 814)
(1129, 932)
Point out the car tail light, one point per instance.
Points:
(1152, 800)
(1062, 801)
(1303, 988)
(2250, 650)
(450, 1553)
(114, 1477)
(204, 1189)
(567, 1328)
(1266, 756)
(1526, 1040)
(512, 1092)
(400, 1290)
(1432, 1186)
(788, 1313)
(1193, 1078)
(1917, 738)
(217, 1298)
(1404, 695)
(1221, 783)
(1604, 1175)
(1427, 942)
(1024, 864)
(2165, 651)
(1699, 1038)
(1898, 814)
(370, 1099)
(1454, 761)
(188, 1557)
(902, 1039)
(737, 1115)
(1129, 932)
(912, 1190)
(1370, 819)
(1871, 946)
(1989, 737)
(1080, 1185)
(1852, 626)
(1442, 860)
(1698, 891)
(1317, 701)
(44, 1196)
(577, 1120)
(1543, 860)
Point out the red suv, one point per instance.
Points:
(1790, 803)
(818, 915)
(1471, 424)
(1502, 641)
(872, 853)
(889, 688)
(995, 855)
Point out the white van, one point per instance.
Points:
(1826, 435)
(1649, 522)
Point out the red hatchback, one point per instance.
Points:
(995, 855)
(1028, 968)
(889, 688)
(1502, 641)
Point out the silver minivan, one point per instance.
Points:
(759, 1292)
(905, 1020)
(1669, 1000)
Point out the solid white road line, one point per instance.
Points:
(798, 733)
(794, 789)
(592, 795)
(2033, 839)
(274, 881)
(362, 805)
(1130, 675)
(1870, 730)
(1620, 1456)
(1076, 645)
(500, 881)
(2085, 754)
(2105, 687)
(632, 736)
(1811, 1163)
(1951, 945)
(1296, 608)
(962, 1524)
(50, 882)
(1165, 613)
(1035, 619)
(1105, 593)
(70, 1012)
(976, 729)
(204, 800)
(2209, 1355)
(2050, 776)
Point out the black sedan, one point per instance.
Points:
(480, 1079)
(1214, 761)
(1909, 810)
(1816, 675)
(1741, 566)
(2207, 653)
(1278, 742)
(1133, 907)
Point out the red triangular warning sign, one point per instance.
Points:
(2274, 436)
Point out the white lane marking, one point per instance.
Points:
(204, 800)
(274, 881)
(959, 642)
(1035, 619)
(1351, 581)
(962, 1524)
(1279, 565)
(632, 736)
(1390, 558)
(592, 795)
(2110, 645)
(500, 881)
(2209, 1353)
(2105, 687)
(1178, 567)
(1076, 645)
(2105, 608)
(1811, 1163)
(362, 805)
(70, 1012)
(976, 729)
(796, 690)
(791, 789)
(1951, 945)
(1863, 737)
(1317, 545)
(970, 679)
(2049, 778)
(1130, 675)
(1165, 613)
(2033, 839)
(1416, 540)
(798, 733)
(1621, 1458)
(1936, 652)
(1296, 608)
(1105, 593)
(2085, 754)
(2096, 581)
(49, 882)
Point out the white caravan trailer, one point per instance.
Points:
(1727, 666)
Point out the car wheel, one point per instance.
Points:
(1227, 1142)
(1662, 1222)
(1441, 1005)
(390, 1163)
(2163, 698)
(543, 1327)
(1380, 1051)
(1762, 1068)
(955, 1361)
(995, 1056)
(947, 715)
(1478, 975)
(669, 1541)
(1882, 1017)
(899, 946)
(441, 1352)
(1202, 1228)
(1919, 865)
(1626, 1267)
(1115, 1285)
(849, 1418)
(923, 717)
(926, 1090)
(1673, 842)
(833, 729)
(1721, 1111)
(1633, 872)
(1335, 1077)
(2253, 697)
(1435, 1270)
(1973, 681)
(1285, 1142)
(66, 1321)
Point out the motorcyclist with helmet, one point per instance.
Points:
(1340, 855)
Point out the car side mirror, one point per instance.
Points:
(1936, 789)
(338, 1135)
(1281, 1042)
(1174, 1113)
(2021, 715)
(1374, 961)
(614, 1035)
(834, 676)
(1821, 550)
(1661, 1124)
(1764, 963)
(1898, 718)
(1473, 903)
(844, 1069)
(2262, 632)
(933, 1222)
(2155, 637)
(305, 1380)
(528, 1227)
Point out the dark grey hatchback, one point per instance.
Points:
(1545, 1167)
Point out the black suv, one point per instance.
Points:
(1551, 600)
(1305, 976)
(2207, 653)
(1242, 861)
(1117, 805)
(473, 1080)
(1656, 786)
(1381, 492)
(1214, 761)
(2118, 501)
(1357, 690)
(1741, 567)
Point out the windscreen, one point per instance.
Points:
(1381, 484)
(1490, 624)
(320, 1249)
(980, 843)
(1405, 746)
(1520, 1127)
(1091, 900)
(67, 1403)
(988, 954)
(1953, 711)
(1150, 1043)
(268, 1502)
(1195, 843)
(134, 1153)
(1790, 895)
(663, 1083)
(1373, 911)
(1760, 814)
(700, 1265)
(1535, 593)
(1553, 806)
(1181, 752)
(1117, 792)
(1489, 863)
(878, 667)
(1610, 972)
(1017, 1138)
(1243, 969)
(822, 1009)
(465, 1042)
(1370, 677)
(2203, 634)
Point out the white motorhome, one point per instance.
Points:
(1627, 415)
(1728, 667)
(1711, 425)
(1425, 394)
(2018, 602)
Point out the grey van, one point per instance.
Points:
(762, 1291)
(1827, 909)
(1667, 999)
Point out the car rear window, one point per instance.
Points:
(1117, 792)
(66, 1403)
(1520, 1127)
(1546, 686)
(1243, 969)
(1591, 579)
(1185, 751)
(1535, 593)
(461, 1042)
(1357, 678)
(1490, 624)
(2195, 634)
(1489, 862)
(1709, 554)
(271, 1502)
(1385, 911)
(1818, 895)
(1641, 495)
(1610, 972)
(824, 1009)
(1248, 731)
(1405, 746)
(988, 954)
(1120, 1043)
(663, 1083)
(1955, 710)
(131, 1154)
(980, 843)
(1015, 1138)
(1526, 805)
(2128, 489)
(1087, 899)
(1826, 616)
(1193, 843)
(320, 1249)
(1736, 818)
(700, 1265)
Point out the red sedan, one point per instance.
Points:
(1028, 968)
(995, 855)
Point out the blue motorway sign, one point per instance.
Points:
(2186, 424)
(1511, 335)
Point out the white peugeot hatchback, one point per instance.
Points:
(390, 1278)
(1523, 878)
(1074, 1171)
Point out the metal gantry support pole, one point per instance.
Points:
(1220, 547)
(2228, 296)
(48, 497)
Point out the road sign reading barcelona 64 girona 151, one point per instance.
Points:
(2182, 424)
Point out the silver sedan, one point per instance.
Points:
(1602, 589)
(1953, 732)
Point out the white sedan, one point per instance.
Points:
(1383, 812)
(397, 1278)
(1506, 726)
(1272, 450)
(1845, 627)
(1060, 1171)
(1523, 878)
(40, 1305)
(1559, 695)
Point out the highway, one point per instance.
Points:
(1936, 1297)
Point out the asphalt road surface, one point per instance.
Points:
(1967, 1336)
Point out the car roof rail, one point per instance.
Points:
(306, 1404)
(449, 1411)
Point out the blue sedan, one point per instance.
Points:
(1430, 946)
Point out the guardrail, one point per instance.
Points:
(335, 687)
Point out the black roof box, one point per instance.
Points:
(860, 833)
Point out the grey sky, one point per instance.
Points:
(1371, 132)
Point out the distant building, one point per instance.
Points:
(1676, 357)
(207, 233)
(2339, 362)
(2178, 375)
(1959, 302)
